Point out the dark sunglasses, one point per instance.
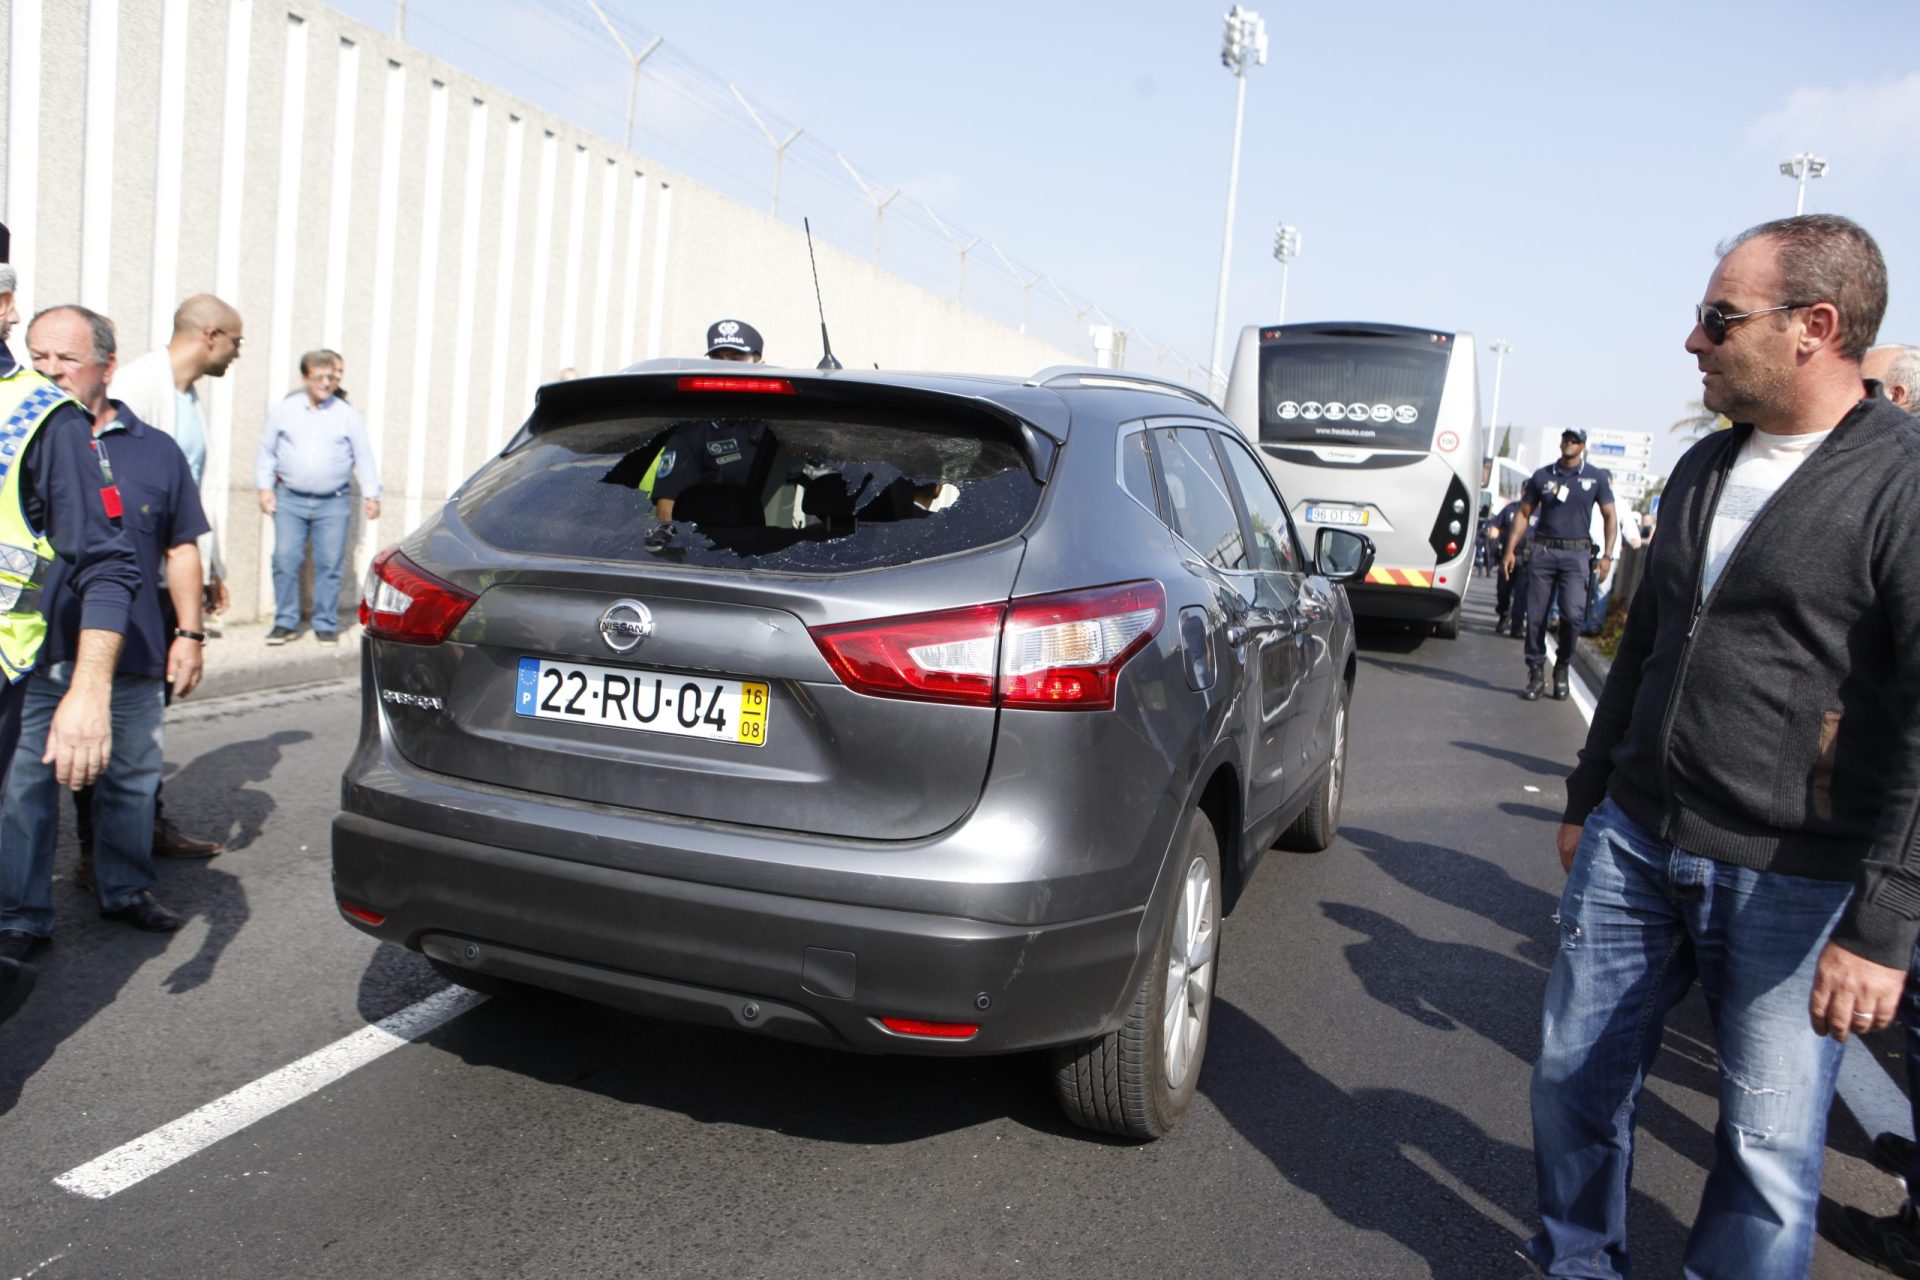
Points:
(1715, 322)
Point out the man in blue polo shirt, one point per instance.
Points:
(1564, 494)
(160, 505)
(313, 445)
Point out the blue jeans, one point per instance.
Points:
(1910, 1025)
(1639, 922)
(296, 520)
(1555, 575)
(122, 803)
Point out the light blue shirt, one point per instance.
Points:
(316, 448)
(188, 432)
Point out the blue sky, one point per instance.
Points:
(1553, 174)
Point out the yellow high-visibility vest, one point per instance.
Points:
(27, 400)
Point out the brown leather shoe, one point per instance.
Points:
(170, 841)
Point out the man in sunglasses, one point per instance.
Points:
(1746, 810)
(1563, 495)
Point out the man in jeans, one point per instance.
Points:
(74, 347)
(1744, 809)
(313, 445)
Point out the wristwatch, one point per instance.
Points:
(183, 634)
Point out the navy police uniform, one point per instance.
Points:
(1563, 500)
(67, 492)
(1510, 605)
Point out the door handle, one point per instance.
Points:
(1240, 632)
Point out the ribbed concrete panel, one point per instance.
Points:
(312, 211)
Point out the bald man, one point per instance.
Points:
(162, 390)
(1897, 369)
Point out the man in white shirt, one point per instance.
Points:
(162, 389)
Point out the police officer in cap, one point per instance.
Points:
(1564, 494)
(57, 499)
(709, 452)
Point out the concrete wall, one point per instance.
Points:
(456, 245)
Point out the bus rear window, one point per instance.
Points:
(1350, 391)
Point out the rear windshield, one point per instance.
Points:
(790, 494)
(1352, 391)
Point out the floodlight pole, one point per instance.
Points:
(1286, 247)
(1245, 47)
(779, 147)
(633, 61)
(400, 21)
(1801, 168)
(872, 193)
(1499, 347)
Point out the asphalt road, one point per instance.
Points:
(1363, 1108)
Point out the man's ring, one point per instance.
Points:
(1863, 1017)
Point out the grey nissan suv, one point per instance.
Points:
(942, 715)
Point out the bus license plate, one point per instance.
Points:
(1336, 515)
(648, 701)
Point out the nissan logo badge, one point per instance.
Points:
(625, 625)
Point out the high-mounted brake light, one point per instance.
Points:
(1057, 652)
(752, 386)
(403, 602)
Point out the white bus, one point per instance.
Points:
(1374, 427)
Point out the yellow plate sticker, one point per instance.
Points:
(753, 713)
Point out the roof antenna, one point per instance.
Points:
(827, 361)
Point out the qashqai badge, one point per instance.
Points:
(625, 624)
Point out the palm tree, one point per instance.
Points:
(1699, 421)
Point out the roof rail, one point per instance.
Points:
(1076, 375)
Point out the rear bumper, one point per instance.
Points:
(1404, 604)
(792, 967)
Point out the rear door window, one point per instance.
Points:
(1197, 496)
(795, 494)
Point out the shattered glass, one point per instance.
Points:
(791, 495)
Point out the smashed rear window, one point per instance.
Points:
(797, 495)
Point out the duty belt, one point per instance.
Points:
(1564, 544)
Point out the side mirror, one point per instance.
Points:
(1341, 555)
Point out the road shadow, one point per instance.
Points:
(1469, 883)
(1537, 812)
(1436, 673)
(717, 1076)
(1388, 1160)
(1531, 763)
(1373, 636)
(1450, 986)
(213, 788)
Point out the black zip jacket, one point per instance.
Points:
(1775, 723)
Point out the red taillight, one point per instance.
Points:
(931, 657)
(1065, 652)
(361, 913)
(932, 1030)
(1453, 549)
(402, 601)
(1060, 652)
(752, 386)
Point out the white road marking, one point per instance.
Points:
(1877, 1102)
(193, 1133)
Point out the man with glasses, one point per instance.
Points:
(1563, 494)
(1746, 810)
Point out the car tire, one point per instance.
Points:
(1137, 1082)
(1448, 628)
(1319, 822)
(485, 984)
